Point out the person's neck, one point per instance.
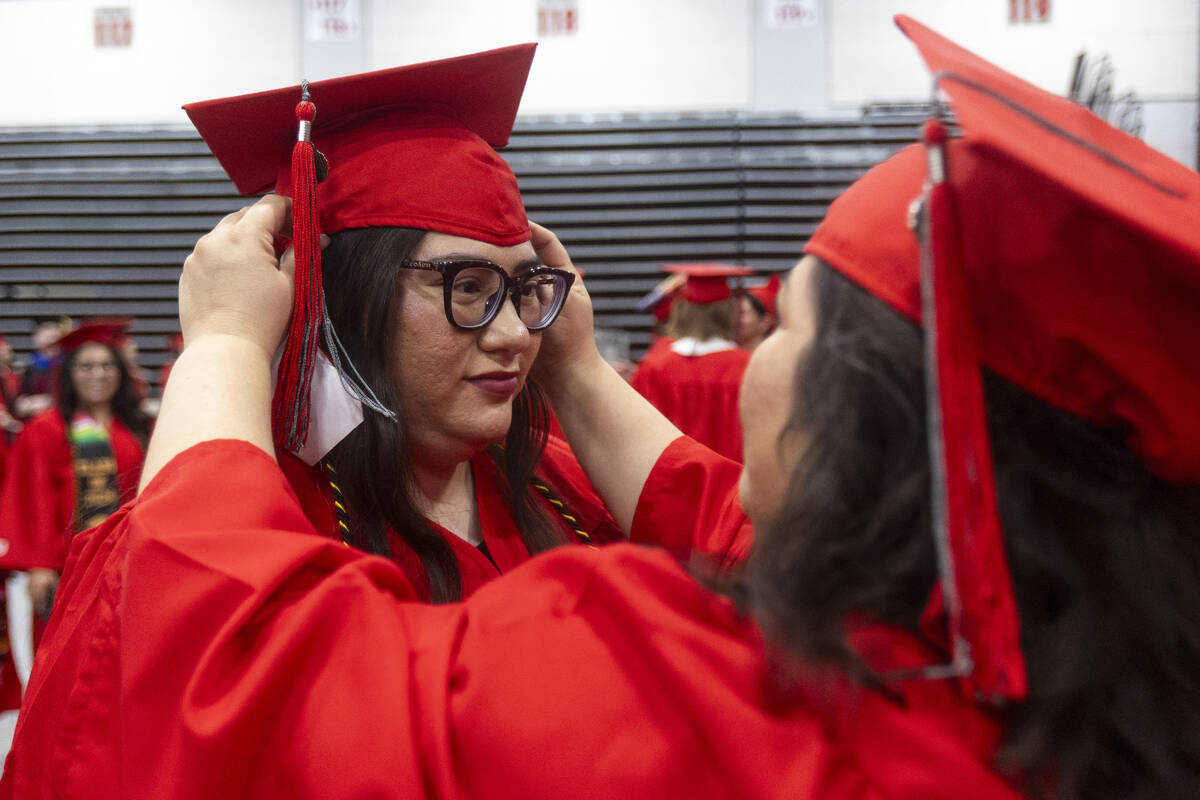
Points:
(446, 495)
(101, 412)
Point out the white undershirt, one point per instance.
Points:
(690, 346)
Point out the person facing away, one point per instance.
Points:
(202, 625)
(436, 306)
(694, 380)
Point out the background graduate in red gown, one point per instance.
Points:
(74, 464)
(694, 380)
(212, 646)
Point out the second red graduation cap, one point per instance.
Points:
(706, 283)
(1060, 253)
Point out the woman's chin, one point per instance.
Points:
(481, 437)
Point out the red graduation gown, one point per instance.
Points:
(681, 532)
(37, 502)
(208, 645)
(697, 393)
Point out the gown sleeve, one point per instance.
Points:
(208, 644)
(689, 504)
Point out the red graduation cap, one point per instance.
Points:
(659, 299)
(706, 283)
(107, 331)
(1058, 252)
(412, 146)
(121, 322)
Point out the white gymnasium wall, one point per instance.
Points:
(629, 55)
(51, 74)
(1154, 46)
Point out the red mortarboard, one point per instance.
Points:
(1060, 253)
(122, 323)
(706, 283)
(412, 147)
(767, 293)
(659, 299)
(109, 332)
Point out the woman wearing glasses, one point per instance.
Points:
(436, 304)
(73, 465)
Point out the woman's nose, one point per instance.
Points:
(506, 331)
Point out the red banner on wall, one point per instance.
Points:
(113, 27)
(557, 17)
(1020, 11)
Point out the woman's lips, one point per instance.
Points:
(498, 384)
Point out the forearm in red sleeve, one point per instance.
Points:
(690, 505)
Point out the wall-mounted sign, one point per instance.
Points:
(790, 13)
(1021, 11)
(332, 20)
(113, 27)
(557, 17)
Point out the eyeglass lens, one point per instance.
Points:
(476, 291)
(94, 366)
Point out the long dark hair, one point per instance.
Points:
(1104, 555)
(374, 463)
(125, 404)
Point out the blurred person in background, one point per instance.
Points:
(128, 348)
(658, 301)
(10, 379)
(10, 387)
(37, 379)
(756, 316)
(694, 379)
(73, 464)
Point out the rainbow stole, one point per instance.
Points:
(97, 495)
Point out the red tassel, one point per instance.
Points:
(982, 609)
(290, 406)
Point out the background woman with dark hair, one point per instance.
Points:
(74, 465)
